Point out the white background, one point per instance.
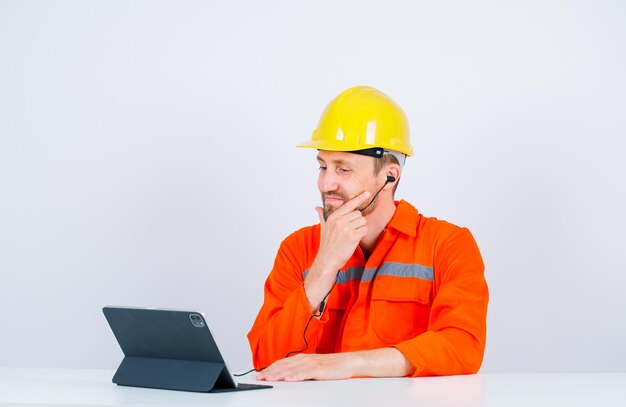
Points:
(147, 158)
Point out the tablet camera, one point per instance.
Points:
(196, 320)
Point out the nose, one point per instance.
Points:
(327, 182)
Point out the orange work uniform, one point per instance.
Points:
(422, 291)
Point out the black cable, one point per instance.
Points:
(323, 303)
(375, 196)
(306, 343)
(249, 371)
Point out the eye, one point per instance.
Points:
(343, 170)
(322, 168)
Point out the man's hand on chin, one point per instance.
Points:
(332, 366)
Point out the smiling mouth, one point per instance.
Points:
(332, 199)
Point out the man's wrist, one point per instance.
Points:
(324, 269)
(384, 362)
(318, 283)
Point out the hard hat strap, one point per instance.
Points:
(372, 152)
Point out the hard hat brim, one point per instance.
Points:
(324, 145)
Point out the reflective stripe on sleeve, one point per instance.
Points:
(386, 269)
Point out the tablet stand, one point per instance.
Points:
(172, 374)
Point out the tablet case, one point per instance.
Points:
(168, 349)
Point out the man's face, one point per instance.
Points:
(342, 177)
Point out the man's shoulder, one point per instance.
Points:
(303, 236)
(442, 235)
(433, 226)
(440, 226)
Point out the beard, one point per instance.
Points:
(367, 208)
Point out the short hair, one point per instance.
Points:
(382, 162)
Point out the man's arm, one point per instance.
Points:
(386, 362)
(340, 235)
(281, 320)
(456, 336)
(290, 302)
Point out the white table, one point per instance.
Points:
(91, 387)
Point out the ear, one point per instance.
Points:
(393, 170)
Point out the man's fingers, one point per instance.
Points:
(358, 222)
(310, 366)
(351, 216)
(353, 203)
(296, 368)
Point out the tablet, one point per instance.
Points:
(169, 349)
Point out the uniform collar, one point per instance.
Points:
(404, 220)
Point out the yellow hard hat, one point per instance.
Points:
(361, 118)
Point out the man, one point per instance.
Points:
(376, 288)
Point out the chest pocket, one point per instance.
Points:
(400, 307)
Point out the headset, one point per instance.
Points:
(323, 303)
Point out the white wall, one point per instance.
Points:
(147, 158)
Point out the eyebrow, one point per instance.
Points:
(336, 162)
